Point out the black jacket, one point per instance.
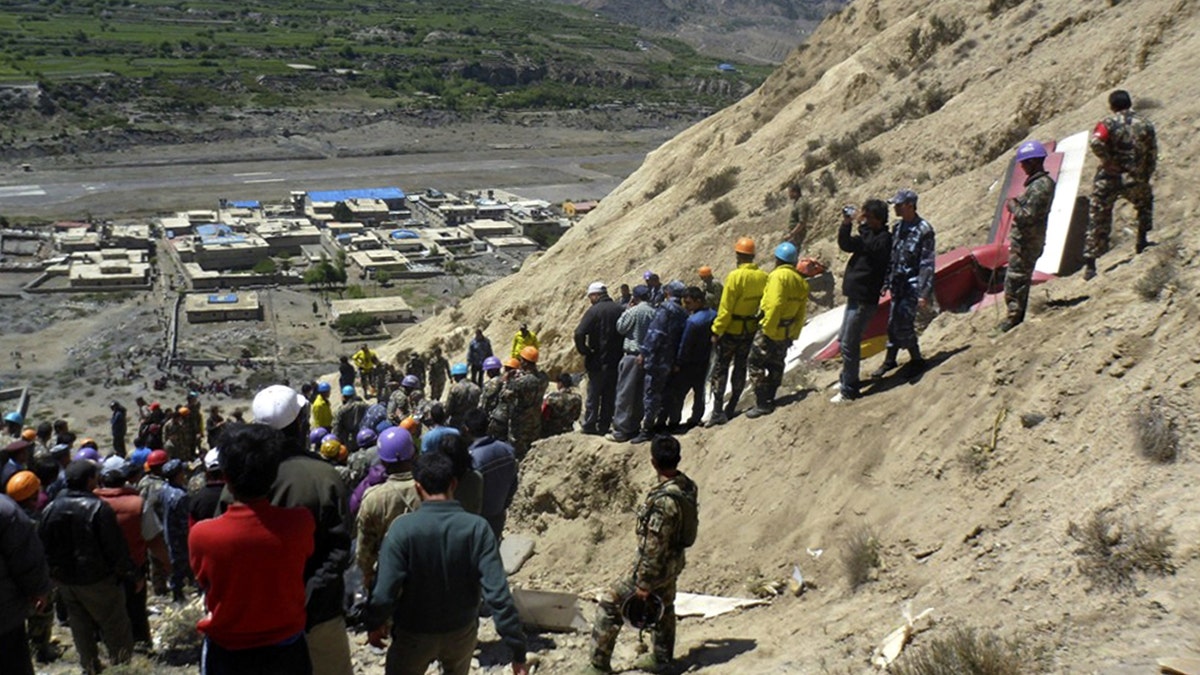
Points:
(83, 543)
(871, 253)
(596, 337)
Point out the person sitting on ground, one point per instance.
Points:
(561, 408)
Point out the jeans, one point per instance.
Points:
(854, 322)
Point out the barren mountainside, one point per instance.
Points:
(933, 95)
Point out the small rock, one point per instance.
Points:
(1031, 420)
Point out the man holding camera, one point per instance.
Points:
(870, 251)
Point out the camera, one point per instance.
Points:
(848, 211)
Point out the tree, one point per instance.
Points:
(383, 277)
(265, 266)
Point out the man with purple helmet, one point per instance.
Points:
(1027, 237)
(385, 502)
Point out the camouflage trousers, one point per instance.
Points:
(902, 319)
(609, 621)
(731, 350)
(766, 367)
(40, 624)
(523, 431)
(1023, 253)
(1106, 189)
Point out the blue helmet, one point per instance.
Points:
(14, 417)
(348, 390)
(787, 253)
(323, 388)
(1031, 150)
(458, 369)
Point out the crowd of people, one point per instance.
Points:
(387, 511)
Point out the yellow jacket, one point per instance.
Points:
(364, 360)
(783, 304)
(739, 301)
(521, 341)
(322, 414)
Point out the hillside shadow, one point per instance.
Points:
(496, 653)
(904, 375)
(713, 652)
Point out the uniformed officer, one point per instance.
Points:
(666, 526)
(1028, 235)
(522, 395)
(910, 280)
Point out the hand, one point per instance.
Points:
(1012, 204)
(642, 593)
(716, 339)
(41, 602)
(520, 668)
(922, 303)
(376, 637)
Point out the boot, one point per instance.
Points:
(1089, 268)
(889, 362)
(764, 403)
(649, 663)
(1142, 242)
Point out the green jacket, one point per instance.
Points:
(433, 566)
(660, 519)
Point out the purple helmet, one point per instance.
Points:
(1031, 150)
(492, 363)
(395, 445)
(330, 437)
(365, 438)
(410, 382)
(315, 436)
(88, 453)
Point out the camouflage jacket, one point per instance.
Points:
(914, 250)
(659, 520)
(712, 293)
(439, 369)
(1127, 140)
(522, 396)
(463, 396)
(560, 411)
(1033, 208)
(489, 398)
(403, 403)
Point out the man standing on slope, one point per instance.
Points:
(910, 279)
(784, 302)
(1028, 236)
(869, 251)
(1127, 147)
(734, 329)
(597, 340)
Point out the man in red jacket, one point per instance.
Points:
(250, 564)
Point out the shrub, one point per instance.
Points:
(995, 7)
(858, 162)
(265, 266)
(1157, 437)
(1111, 553)
(659, 187)
(1159, 276)
(723, 210)
(967, 652)
(860, 556)
(829, 182)
(718, 185)
(355, 323)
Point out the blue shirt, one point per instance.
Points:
(696, 344)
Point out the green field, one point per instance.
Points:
(454, 54)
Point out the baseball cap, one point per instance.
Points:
(676, 288)
(113, 464)
(597, 287)
(277, 406)
(212, 459)
(903, 196)
(641, 292)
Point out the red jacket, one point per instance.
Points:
(128, 504)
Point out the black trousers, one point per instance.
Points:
(282, 659)
(14, 652)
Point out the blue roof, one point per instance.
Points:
(251, 204)
(227, 299)
(227, 239)
(213, 230)
(357, 193)
(726, 67)
(405, 234)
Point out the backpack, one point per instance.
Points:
(689, 510)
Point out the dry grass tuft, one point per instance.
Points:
(1111, 553)
(860, 556)
(1163, 274)
(719, 184)
(723, 211)
(1157, 437)
(968, 652)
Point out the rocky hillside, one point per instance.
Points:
(975, 523)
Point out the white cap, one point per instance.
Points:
(597, 287)
(212, 459)
(113, 463)
(277, 406)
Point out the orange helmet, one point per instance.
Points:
(29, 434)
(705, 272)
(511, 362)
(810, 267)
(183, 410)
(410, 424)
(23, 485)
(530, 353)
(744, 245)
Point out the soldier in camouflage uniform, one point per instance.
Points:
(910, 280)
(439, 369)
(489, 398)
(178, 440)
(416, 368)
(195, 422)
(406, 400)
(464, 395)
(662, 540)
(561, 408)
(1127, 147)
(522, 398)
(711, 287)
(784, 301)
(1028, 236)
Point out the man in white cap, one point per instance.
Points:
(306, 480)
(597, 340)
(207, 499)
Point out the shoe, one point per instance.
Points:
(642, 437)
(758, 411)
(649, 663)
(1142, 243)
(883, 369)
(588, 431)
(916, 366)
(616, 437)
(716, 419)
(839, 398)
(1006, 326)
(1089, 269)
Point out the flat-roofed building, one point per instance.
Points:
(213, 307)
(512, 244)
(109, 267)
(230, 251)
(370, 212)
(201, 216)
(175, 225)
(74, 240)
(287, 235)
(452, 238)
(390, 308)
(380, 260)
(482, 229)
(130, 235)
(455, 213)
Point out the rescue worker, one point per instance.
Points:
(322, 412)
(658, 352)
(479, 349)
(1127, 146)
(711, 287)
(464, 395)
(405, 400)
(194, 420)
(177, 437)
(666, 527)
(489, 394)
(439, 370)
(597, 340)
(366, 361)
(910, 279)
(1027, 238)
(561, 408)
(785, 298)
(733, 330)
(386, 501)
(522, 396)
(349, 416)
(522, 339)
(500, 410)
